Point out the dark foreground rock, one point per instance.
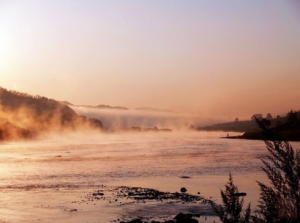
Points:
(186, 218)
(139, 193)
(147, 205)
(124, 196)
(185, 177)
(179, 218)
(133, 221)
(183, 190)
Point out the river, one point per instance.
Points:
(43, 181)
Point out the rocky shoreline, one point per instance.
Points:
(179, 218)
(125, 196)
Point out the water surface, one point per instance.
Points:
(40, 180)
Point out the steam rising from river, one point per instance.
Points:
(119, 119)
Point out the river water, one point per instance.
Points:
(43, 181)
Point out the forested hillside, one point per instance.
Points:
(25, 116)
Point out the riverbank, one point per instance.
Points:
(288, 135)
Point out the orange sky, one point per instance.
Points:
(206, 57)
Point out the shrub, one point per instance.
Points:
(231, 210)
(282, 166)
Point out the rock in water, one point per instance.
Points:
(183, 190)
(185, 218)
(185, 177)
(133, 221)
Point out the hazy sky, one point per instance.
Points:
(223, 57)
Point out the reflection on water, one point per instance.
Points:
(54, 172)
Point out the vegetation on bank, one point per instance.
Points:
(287, 127)
(236, 126)
(280, 199)
(232, 209)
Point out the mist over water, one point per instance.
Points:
(117, 156)
(52, 175)
(116, 119)
(58, 171)
(188, 59)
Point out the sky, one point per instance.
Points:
(208, 57)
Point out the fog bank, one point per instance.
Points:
(119, 119)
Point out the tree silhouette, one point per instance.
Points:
(257, 116)
(231, 210)
(280, 199)
(282, 166)
(269, 116)
(292, 117)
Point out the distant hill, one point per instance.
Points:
(109, 107)
(66, 103)
(140, 129)
(37, 114)
(237, 126)
(95, 106)
(154, 110)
